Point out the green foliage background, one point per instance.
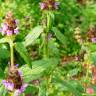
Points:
(54, 78)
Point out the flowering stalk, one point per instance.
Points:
(47, 6)
(14, 82)
(12, 52)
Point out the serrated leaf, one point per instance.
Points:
(33, 35)
(20, 48)
(59, 35)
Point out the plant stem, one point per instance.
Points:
(45, 46)
(11, 53)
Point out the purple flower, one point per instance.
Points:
(17, 65)
(9, 32)
(20, 73)
(5, 26)
(42, 5)
(8, 85)
(17, 22)
(21, 90)
(0, 29)
(56, 4)
(16, 31)
(8, 29)
(77, 58)
(93, 40)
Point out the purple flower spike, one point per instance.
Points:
(8, 85)
(9, 33)
(94, 40)
(16, 31)
(6, 28)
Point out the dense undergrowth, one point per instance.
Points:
(47, 48)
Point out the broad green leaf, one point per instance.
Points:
(23, 53)
(59, 35)
(33, 35)
(39, 69)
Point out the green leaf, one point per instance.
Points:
(39, 69)
(70, 86)
(3, 40)
(92, 47)
(4, 53)
(43, 88)
(31, 89)
(3, 91)
(73, 72)
(1, 74)
(33, 35)
(59, 35)
(20, 48)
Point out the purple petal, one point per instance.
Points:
(56, 5)
(20, 73)
(77, 58)
(17, 65)
(23, 87)
(9, 33)
(0, 29)
(4, 27)
(8, 85)
(17, 92)
(94, 40)
(16, 31)
(17, 22)
(42, 5)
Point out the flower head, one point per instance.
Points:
(14, 82)
(90, 91)
(49, 5)
(9, 27)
